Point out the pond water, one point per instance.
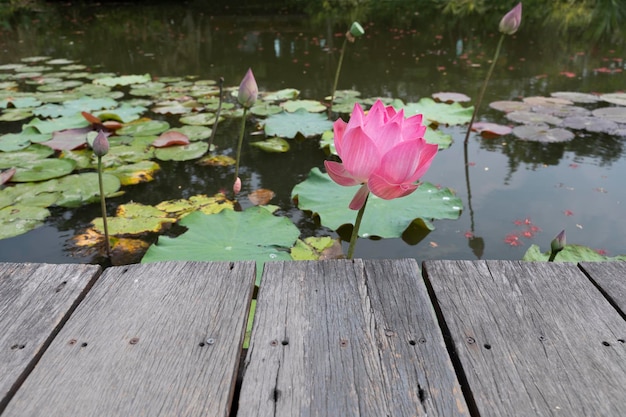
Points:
(508, 186)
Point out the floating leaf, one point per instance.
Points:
(203, 203)
(527, 117)
(182, 153)
(229, 239)
(437, 137)
(288, 125)
(261, 197)
(170, 138)
(542, 133)
(136, 173)
(614, 114)
(492, 129)
(281, 95)
(194, 133)
(265, 109)
(570, 253)
(275, 144)
(68, 140)
(60, 123)
(510, 106)
(5, 176)
(78, 189)
(316, 248)
(134, 219)
(13, 115)
(217, 161)
(308, 105)
(383, 218)
(199, 119)
(144, 128)
(19, 219)
(30, 154)
(614, 98)
(447, 97)
(546, 101)
(576, 97)
(440, 113)
(590, 124)
(43, 169)
(123, 80)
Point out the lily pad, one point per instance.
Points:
(590, 124)
(217, 161)
(275, 144)
(229, 239)
(60, 123)
(288, 125)
(43, 169)
(439, 113)
(19, 219)
(437, 137)
(527, 117)
(194, 133)
(78, 189)
(311, 106)
(144, 128)
(182, 153)
(199, 119)
(576, 97)
(134, 219)
(30, 154)
(383, 218)
(448, 97)
(14, 115)
(542, 133)
(205, 204)
(614, 114)
(562, 111)
(547, 101)
(123, 80)
(170, 138)
(570, 253)
(281, 95)
(316, 248)
(265, 109)
(136, 173)
(492, 129)
(510, 106)
(614, 98)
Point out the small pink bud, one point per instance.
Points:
(511, 21)
(559, 242)
(248, 90)
(237, 186)
(100, 144)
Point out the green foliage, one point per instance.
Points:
(571, 253)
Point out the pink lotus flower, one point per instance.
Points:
(511, 21)
(381, 150)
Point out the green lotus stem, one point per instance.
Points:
(484, 88)
(241, 132)
(217, 114)
(332, 96)
(355, 230)
(103, 207)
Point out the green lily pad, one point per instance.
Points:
(73, 107)
(288, 125)
(280, 95)
(194, 133)
(437, 137)
(199, 119)
(614, 114)
(63, 85)
(126, 113)
(311, 106)
(570, 253)
(134, 219)
(275, 144)
(265, 109)
(25, 102)
(78, 189)
(576, 97)
(313, 248)
(13, 115)
(13, 142)
(60, 123)
(382, 218)
(43, 169)
(510, 106)
(136, 173)
(614, 98)
(123, 80)
(205, 204)
(30, 154)
(144, 128)
(229, 238)
(440, 113)
(527, 117)
(542, 133)
(19, 219)
(182, 153)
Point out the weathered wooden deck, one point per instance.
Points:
(330, 338)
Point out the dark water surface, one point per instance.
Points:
(577, 186)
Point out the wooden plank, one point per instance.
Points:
(533, 339)
(610, 277)
(160, 339)
(35, 302)
(347, 338)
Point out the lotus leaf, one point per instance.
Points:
(316, 248)
(614, 98)
(124, 154)
(203, 203)
(265, 109)
(527, 117)
(74, 67)
(126, 113)
(440, 113)
(217, 160)
(72, 107)
(562, 111)
(13, 115)
(144, 128)
(546, 101)
(170, 138)
(136, 173)
(275, 144)
(383, 218)
(591, 124)
(199, 119)
(134, 219)
(63, 85)
(68, 140)
(288, 125)
(22, 102)
(491, 129)
(576, 97)
(61, 123)
(615, 114)
(82, 158)
(123, 80)
(570, 253)
(60, 61)
(30, 154)
(510, 106)
(182, 153)
(77, 189)
(18, 219)
(194, 133)
(229, 239)
(311, 106)
(437, 137)
(13, 142)
(43, 169)
(448, 97)
(280, 95)
(542, 133)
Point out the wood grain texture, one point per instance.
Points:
(35, 301)
(159, 339)
(611, 278)
(533, 339)
(347, 338)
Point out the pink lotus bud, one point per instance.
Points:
(248, 90)
(559, 242)
(100, 144)
(237, 186)
(511, 21)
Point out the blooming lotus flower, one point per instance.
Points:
(382, 150)
(248, 90)
(100, 144)
(511, 21)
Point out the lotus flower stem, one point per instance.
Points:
(484, 88)
(217, 114)
(355, 230)
(240, 143)
(104, 210)
(332, 96)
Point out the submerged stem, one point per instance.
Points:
(355, 230)
(484, 88)
(241, 132)
(217, 114)
(103, 207)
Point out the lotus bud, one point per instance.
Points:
(558, 243)
(356, 30)
(511, 21)
(100, 144)
(237, 186)
(248, 90)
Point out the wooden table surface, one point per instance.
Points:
(330, 338)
